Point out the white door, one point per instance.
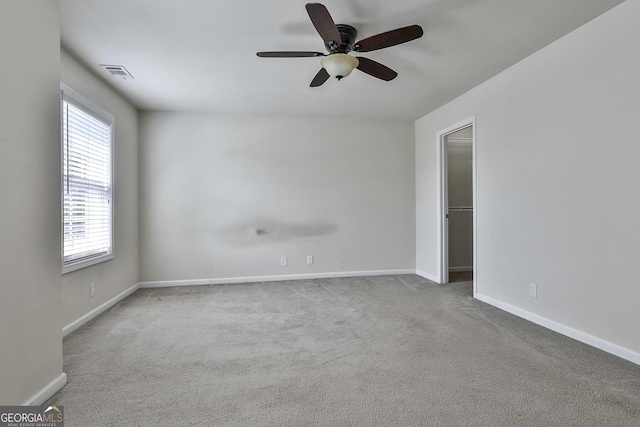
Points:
(464, 129)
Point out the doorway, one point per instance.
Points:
(457, 148)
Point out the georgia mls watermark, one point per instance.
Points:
(31, 416)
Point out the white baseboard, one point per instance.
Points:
(254, 279)
(460, 269)
(98, 310)
(47, 391)
(577, 335)
(427, 276)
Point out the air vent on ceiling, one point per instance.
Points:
(118, 71)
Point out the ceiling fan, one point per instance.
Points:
(339, 40)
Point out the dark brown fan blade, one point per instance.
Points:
(285, 54)
(390, 38)
(323, 22)
(376, 69)
(320, 78)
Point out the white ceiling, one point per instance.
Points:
(200, 55)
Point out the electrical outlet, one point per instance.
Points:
(309, 259)
(92, 289)
(283, 260)
(533, 290)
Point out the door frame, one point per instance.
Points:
(443, 202)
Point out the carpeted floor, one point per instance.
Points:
(369, 351)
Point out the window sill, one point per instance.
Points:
(73, 266)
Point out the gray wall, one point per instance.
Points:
(114, 276)
(340, 190)
(30, 297)
(556, 136)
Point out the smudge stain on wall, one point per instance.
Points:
(261, 231)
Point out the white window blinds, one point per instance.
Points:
(86, 181)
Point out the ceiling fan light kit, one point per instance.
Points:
(339, 65)
(339, 40)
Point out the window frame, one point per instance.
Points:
(70, 95)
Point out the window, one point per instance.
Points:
(87, 208)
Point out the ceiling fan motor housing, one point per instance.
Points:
(348, 36)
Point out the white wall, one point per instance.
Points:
(557, 171)
(30, 299)
(117, 275)
(340, 190)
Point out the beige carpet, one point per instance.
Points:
(376, 351)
